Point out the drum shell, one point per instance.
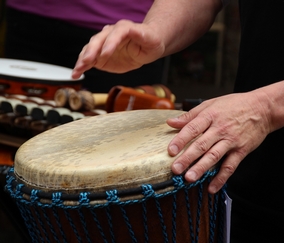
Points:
(187, 216)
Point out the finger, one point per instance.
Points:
(207, 149)
(116, 34)
(181, 120)
(228, 167)
(89, 54)
(111, 41)
(189, 132)
(207, 161)
(93, 49)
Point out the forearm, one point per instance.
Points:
(181, 22)
(271, 100)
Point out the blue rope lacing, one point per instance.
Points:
(41, 228)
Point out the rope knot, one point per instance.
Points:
(112, 196)
(34, 197)
(18, 192)
(178, 182)
(147, 191)
(9, 180)
(56, 198)
(83, 198)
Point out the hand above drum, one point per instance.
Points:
(229, 127)
(119, 48)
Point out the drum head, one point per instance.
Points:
(34, 70)
(113, 151)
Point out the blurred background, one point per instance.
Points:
(204, 70)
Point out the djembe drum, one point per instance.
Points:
(107, 178)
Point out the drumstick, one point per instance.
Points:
(61, 96)
(85, 100)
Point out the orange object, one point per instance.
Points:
(7, 154)
(122, 98)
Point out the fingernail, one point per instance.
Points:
(74, 74)
(174, 149)
(174, 119)
(178, 168)
(191, 175)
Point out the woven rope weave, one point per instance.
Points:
(39, 231)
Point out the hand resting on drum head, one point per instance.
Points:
(222, 130)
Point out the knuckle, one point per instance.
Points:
(228, 169)
(201, 145)
(181, 142)
(214, 155)
(186, 159)
(186, 116)
(122, 22)
(222, 131)
(209, 117)
(220, 180)
(201, 169)
(193, 129)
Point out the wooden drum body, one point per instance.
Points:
(108, 179)
(34, 79)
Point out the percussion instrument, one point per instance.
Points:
(122, 98)
(26, 116)
(34, 79)
(158, 90)
(61, 96)
(85, 100)
(107, 178)
(79, 100)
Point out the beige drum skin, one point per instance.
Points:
(97, 153)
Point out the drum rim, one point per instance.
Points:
(55, 82)
(21, 191)
(37, 65)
